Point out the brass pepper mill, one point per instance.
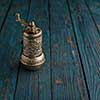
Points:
(32, 56)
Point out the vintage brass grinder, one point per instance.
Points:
(32, 56)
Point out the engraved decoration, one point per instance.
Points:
(32, 48)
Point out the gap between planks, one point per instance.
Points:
(9, 7)
(78, 49)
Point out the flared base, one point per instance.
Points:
(34, 63)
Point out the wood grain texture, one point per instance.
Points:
(35, 85)
(71, 43)
(10, 48)
(67, 76)
(4, 9)
(88, 40)
(94, 9)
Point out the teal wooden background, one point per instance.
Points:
(71, 42)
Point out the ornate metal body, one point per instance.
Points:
(32, 56)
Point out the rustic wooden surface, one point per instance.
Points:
(71, 42)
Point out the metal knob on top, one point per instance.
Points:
(32, 56)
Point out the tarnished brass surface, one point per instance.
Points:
(32, 55)
(34, 63)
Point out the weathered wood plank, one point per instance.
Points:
(94, 9)
(10, 48)
(88, 40)
(36, 85)
(4, 9)
(67, 76)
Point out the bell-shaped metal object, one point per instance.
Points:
(32, 56)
